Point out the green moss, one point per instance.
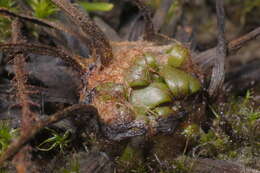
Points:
(5, 24)
(192, 131)
(182, 165)
(131, 157)
(6, 134)
(242, 117)
(42, 8)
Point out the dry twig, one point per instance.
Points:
(146, 13)
(161, 13)
(205, 59)
(27, 116)
(45, 23)
(100, 46)
(218, 72)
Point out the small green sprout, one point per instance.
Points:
(6, 135)
(57, 140)
(42, 8)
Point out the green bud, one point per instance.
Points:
(179, 82)
(157, 78)
(178, 54)
(138, 76)
(195, 84)
(151, 96)
(147, 61)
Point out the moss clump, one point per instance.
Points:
(6, 135)
(42, 8)
(240, 142)
(5, 24)
(131, 158)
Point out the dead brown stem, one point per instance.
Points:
(45, 23)
(236, 44)
(218, 72)
(21, 78)
(161, 13)
(27, 116)
(146, 12)
(205, 59)
(100, 46)
(78, 63)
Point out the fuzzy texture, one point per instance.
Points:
(125, 54)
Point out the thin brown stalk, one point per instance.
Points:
(205, 59)
(160, 13)
(78, 63)
(27, 116)
(150, 31)
(236, 44)
(218, 72)
(21, 77)
(45, 23)
(100, 46)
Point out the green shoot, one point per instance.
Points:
(55, 141)
(96, 6)
(42, 8)
(6, 135)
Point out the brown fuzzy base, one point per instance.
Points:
(124, 55)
